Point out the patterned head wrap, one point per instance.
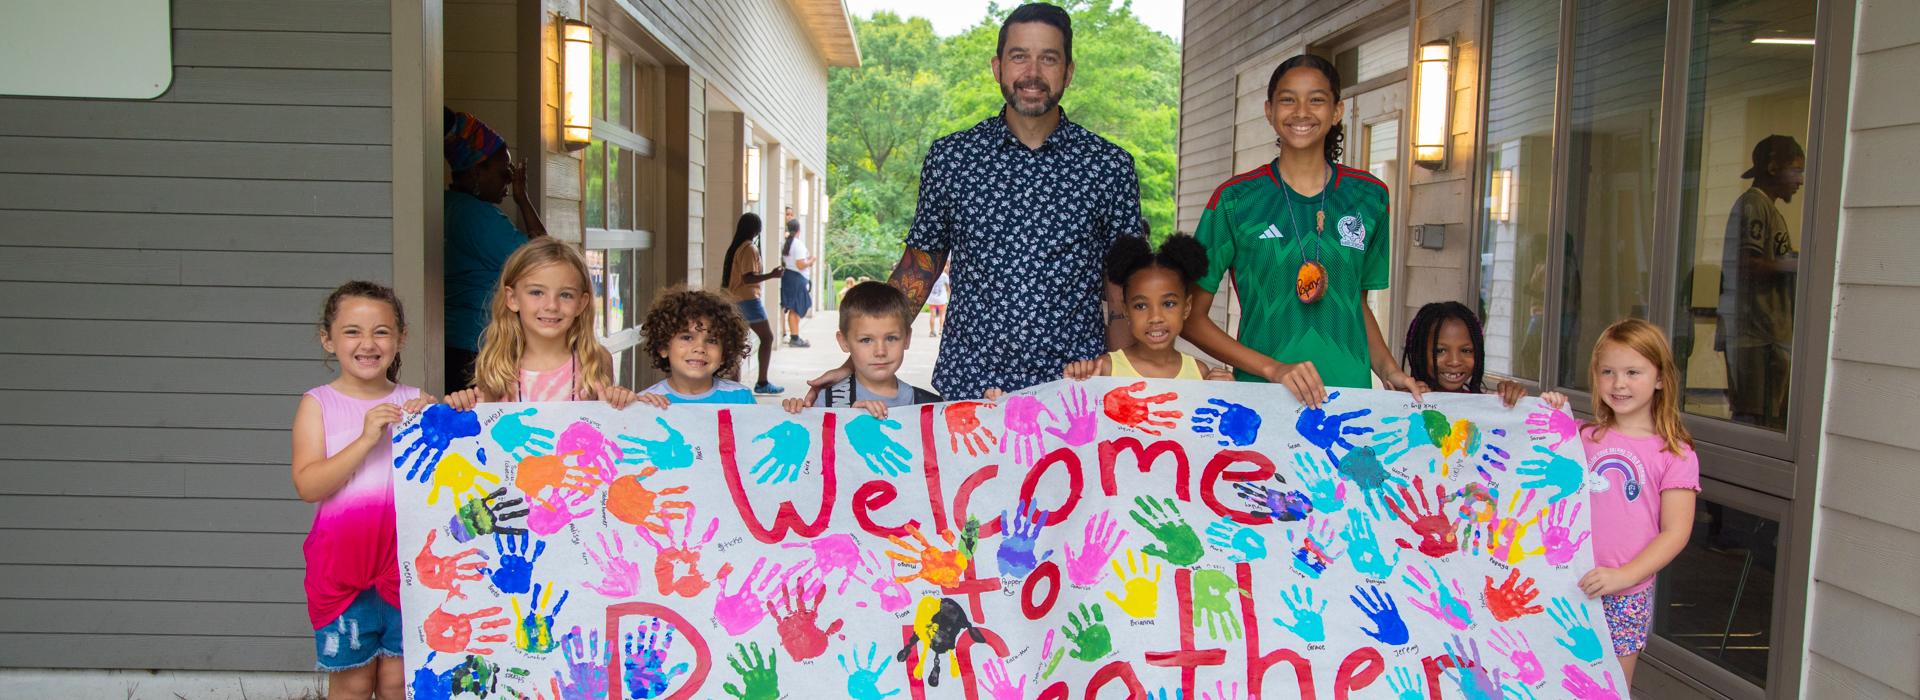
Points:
(469, 142)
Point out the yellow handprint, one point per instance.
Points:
(1505, 533)
(457, 474)
(1143, 594)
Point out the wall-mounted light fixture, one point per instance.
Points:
(1434, 104)
(752, 173)
(1500, 195)
(576, 128)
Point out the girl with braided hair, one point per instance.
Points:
(1446, 351)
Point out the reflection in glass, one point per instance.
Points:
(1747, 105)
(1518, 173)
(597, 268)
(1619, 49)
(1716, 599)
(596, 163)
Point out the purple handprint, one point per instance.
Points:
(1016, 554)
(586, 677)
(1082, 426)
(1558, 537)
(645, 663)
(1022, 415)
(1584, 687)
(1514, 645)
(620, 578)
(1553, 423)
(741, 610)
(1097, 545)
(1477, 682)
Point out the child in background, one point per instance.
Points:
(693, 335)
(540, 344)
(1446, 352)
(1636, 442)
(1154, 289)
(876, 326)
(937, 303)
(343, 460)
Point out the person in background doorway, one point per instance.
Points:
(478, 236)
(1758, 265)
(742, 274)
(796, 296)
(937, 304)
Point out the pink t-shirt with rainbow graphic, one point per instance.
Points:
(350, 547)
(1629, 474)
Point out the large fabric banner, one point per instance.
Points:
(1109, 538)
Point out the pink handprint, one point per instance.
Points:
(963, 427)
(1558, 538)
(995, 681)
(589, 448)
(1444, 604)
(620, 578)
(454, 633)
(1022, 416)
(831, 553)
(1584, 687)
(799, 623)
(1137, 412)
(1097, 545)
(893, 594)
(554, 510)
(742, 610)
(1514, 645)
(1554, 423)
(1081, 424)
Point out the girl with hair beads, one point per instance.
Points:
(693, 335)
(343, 460)
(1636, 443)
(1447, 352)
(1154, 286)
(539, 344)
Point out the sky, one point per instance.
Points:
(951, 17)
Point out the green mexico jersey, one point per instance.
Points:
(1250, 233)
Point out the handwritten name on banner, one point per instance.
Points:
(1109, 538)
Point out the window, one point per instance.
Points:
(616, 242)
(1716, 598)
(1518, 175)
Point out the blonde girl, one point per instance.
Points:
(539, 344)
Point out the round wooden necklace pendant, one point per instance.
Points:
(1311, 284)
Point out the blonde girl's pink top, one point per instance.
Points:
(552, 385)
(350, 547)
(1628, 476)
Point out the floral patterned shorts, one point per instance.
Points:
(1630, 617)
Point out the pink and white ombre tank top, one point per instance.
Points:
(350, 547)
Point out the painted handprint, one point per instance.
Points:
(1312, 551)
(1552, 470)
(1213, 594)
(937, 626)
(964, 428)
(1082, 422)
(586, 677)
(631, 502)
(1429, 520)
(454, 632)
(1016, 556)
(670, 452)
(1087, 631)
(994, 681)
(1513, 644)
(863, 678)
(1233, 424)
(486, 514)
(1176, 541)
(1584, 687)
(512, 433)
(438, 427)
(892, 594)
(1580, 639)
(1408, 433)
(1507, 536)
(676, 570)
(1326, 491)
(539, 474)
(1379, 607)
(1475, 679)
(1138, 412)
(832, 553)
(589, 448)
(1448, 605)
(1366, 472)
(1364, 550)
(1407, 685)
(1513, 598)
(759, 676)
(740, 610)
(444, 573)
(1142, 601)
(515, 572)
(798, 620)
(1329, 430)
(619, 576)
(1558, 537)
(1023, 437)
(786, 457)
(884, 456)
(476, 676)
(1309, 621)
(1553, 423)
(643, 663)
(555, 509)
(1097, 545)
(1223, 690)
(534, 633)
(940, 567)
(1243, 544)
(459, 476)
(1274, 502)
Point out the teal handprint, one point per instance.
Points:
(670, 452)
(1177, 542)
(1407, 685)
(1552, 470)
(883, 455)
(1309, 621)
(1580, 640)
(1324, 486)
(863, 679)
(1244, 544)
(519, 439)
(791, 442)
(1363, 548)
(1087, 631)
(1213, 593)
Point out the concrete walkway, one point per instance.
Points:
(792, 367)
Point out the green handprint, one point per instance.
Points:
(1087, 630)
(1178, 544)
(1213, 604)
(757, 674)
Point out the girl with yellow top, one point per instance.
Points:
(1154, 284)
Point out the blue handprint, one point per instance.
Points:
(882, 454)
(519, 439)
(670, 452)
(1552, 470)
(1017, 541)
(1363, 548)
(515, 574)
(1236, 425)
(1365, 471)
(791, 442)
(1275, 503)
(439, 426)
(1325, 430)
(1379, 607)
(1325, 489)
(428, 685)
(1309, 620)
(644, 666)
(586, 664)
(1581, 640)
(1245, 544)
(1407, 685)
(863, 679)
(1313, 553)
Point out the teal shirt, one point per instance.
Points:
(478, 240)
(723, 392)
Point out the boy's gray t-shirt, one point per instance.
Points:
(904, 397)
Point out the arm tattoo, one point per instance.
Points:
(916, 273)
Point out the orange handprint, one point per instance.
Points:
(453, 632)
(964, 428)
(633, 503)
(940, 567)
(536, 474)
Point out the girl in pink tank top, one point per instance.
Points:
(343, 460)
(540, 344)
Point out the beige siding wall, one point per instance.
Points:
(1442, 196)
(1864, 636)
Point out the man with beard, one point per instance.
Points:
(1024, 205)
(1758, 266)
(478, 236)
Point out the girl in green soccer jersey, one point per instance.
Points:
(1305, 239)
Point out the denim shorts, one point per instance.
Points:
(370, 627)
(752, 309)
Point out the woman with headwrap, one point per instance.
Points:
(479, 237)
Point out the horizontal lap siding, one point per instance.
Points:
(161, 267)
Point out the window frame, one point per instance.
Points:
(634, 240)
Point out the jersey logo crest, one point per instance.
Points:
(1353, 234)
(1272, 232)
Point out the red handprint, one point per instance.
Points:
(631, 502)
(1430, 521)
(1510, 599)
(964, 428)
(440, 573)
(452, 633)
(1137, 411)
(799, 626)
